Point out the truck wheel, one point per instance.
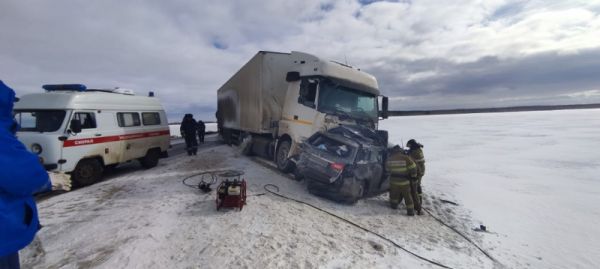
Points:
(151, 159)
(86, 172)
(283, 163)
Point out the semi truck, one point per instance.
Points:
(277, 100)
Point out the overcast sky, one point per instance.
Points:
(425, 54)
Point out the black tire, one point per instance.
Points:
(151, 159)
(283, 163)
(87, 172)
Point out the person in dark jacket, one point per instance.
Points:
(188, 131)
(22, 176)
(201, 131)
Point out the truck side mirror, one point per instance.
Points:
(384, 113)
(292, 76)
(383, 137)
(75, 126)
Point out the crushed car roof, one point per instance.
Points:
(360, 134)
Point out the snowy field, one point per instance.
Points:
(530, 177)
(533, 178)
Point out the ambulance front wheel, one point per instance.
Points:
(87, 172)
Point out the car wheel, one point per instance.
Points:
(86, 172)
(283, 163)
(151, 159)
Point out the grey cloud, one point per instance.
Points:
(508, 10)
(534, 78)
(184, 50)
(126, 45)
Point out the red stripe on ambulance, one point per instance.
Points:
(105, 139)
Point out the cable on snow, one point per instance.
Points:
(274, 189)
(269, 187)
(462, 235)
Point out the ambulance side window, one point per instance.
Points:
(128, 119)
(87, 119)
(151, 118)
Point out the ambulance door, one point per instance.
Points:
(110, 133)
(84, 144)
(157, 130)
(132, 141)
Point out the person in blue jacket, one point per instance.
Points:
(21, 176)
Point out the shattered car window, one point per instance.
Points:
(331, 146)
(363, 155)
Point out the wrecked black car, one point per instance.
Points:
(345, 163)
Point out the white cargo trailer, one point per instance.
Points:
(277, 100)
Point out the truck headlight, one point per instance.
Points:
(36, 148)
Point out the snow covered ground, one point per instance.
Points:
(148, 219)
(531, 177)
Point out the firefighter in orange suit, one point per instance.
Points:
(402, 170)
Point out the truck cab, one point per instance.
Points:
(323, 95)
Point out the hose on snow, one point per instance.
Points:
(273, 189)
(461, 234)
(202, 185)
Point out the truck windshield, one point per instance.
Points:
(335, 98)
(39, 120)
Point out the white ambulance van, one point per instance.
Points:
(81, 132)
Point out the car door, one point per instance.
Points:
(369, 169)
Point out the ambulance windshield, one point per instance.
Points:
(39, 120)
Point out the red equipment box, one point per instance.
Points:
(231, 194)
